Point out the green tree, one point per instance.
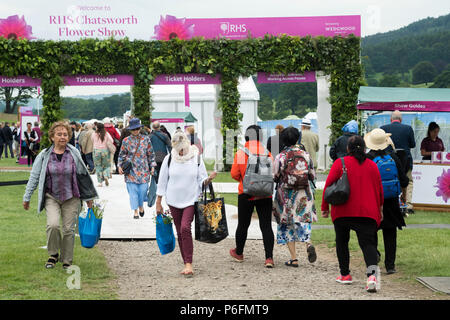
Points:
(16, 96)
(389, 80)
(422, 72)
(443, 79)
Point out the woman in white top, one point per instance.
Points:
(181, 178)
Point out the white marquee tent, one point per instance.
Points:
(204, 107)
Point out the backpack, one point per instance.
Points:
(389, 176)
(296, 171)
(258, 178)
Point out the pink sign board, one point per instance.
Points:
(93, 80)
(171, 120)
(264, 77)
(184, 79)
(19, 81)
(411, 106)
(240, 28)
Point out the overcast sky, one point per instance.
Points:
(376, 16)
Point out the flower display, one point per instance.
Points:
(443, 185)
(14, 27)
(170, 27)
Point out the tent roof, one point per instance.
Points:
(174, 116)
(385, 94)
(404, 99)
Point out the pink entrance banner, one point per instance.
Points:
(19, 81)
(264, 77)
(414, 106)
(240, 28)
(93, 80)
(188, 78)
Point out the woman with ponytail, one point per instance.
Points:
(362, 212)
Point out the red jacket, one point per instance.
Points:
(366, 190)
(112, 131)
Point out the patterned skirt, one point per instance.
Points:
(296, 232)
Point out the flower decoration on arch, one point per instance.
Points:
(170, 27)
(14, 27)
(443, 185)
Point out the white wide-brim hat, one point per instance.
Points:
(377, 139)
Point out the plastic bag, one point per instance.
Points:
(165, 237)
(89, 228)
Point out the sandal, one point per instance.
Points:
(291, 263)
(141, 213)
(312, 256)
(50, 264)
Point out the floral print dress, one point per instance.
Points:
(142, 162)
(293, 209)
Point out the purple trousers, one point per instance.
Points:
(182, 219)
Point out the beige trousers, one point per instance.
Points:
(409, 190)
(68, 211)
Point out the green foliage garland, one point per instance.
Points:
(49, 60)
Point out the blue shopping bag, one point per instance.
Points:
(164, 235)
(151, 193)
(89, 228)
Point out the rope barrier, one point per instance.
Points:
(13, 183)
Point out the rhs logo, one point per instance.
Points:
(227, 28)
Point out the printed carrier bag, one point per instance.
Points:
(296, 172)
(258, 179)
(389, 176)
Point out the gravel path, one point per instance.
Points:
(142, 273)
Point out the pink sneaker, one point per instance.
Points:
(344, 279)
(371, 284)
(269, 263)
(237, 257)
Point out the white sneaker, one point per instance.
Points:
(371, 284)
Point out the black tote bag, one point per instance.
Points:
(339, 192)
(210, 218)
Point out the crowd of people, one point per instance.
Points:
(278, 180)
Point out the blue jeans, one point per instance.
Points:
(90, 161)
(138, 194)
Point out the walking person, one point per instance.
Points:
(293, 206)
(87, 146)
(102, 158)
(7, 133)
(339, 147)
(161, 146)
(16, 136)
(310, 141)
(378, 141)
(182, 176)
(63, 181)
(402, 136)
(193, 138)
(137, 149)
(31, 145)
(109, 127)
(247, 203)
(362, 212)
(2, 140)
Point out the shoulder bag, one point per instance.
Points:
(339, 192)
(128, 164)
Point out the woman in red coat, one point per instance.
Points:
(362, 212)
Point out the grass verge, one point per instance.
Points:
(22, 258)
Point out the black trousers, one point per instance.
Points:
(366, 229)
(157, 169)
(390, 246)
(30, 156)
(245, 211)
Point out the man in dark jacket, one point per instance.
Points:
(403, 138)
(339, 147)
(2, 140)
(7, 133)
(161, 145)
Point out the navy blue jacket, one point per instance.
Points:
(403, 138)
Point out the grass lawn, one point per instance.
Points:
(22, 271)
(11, 162)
